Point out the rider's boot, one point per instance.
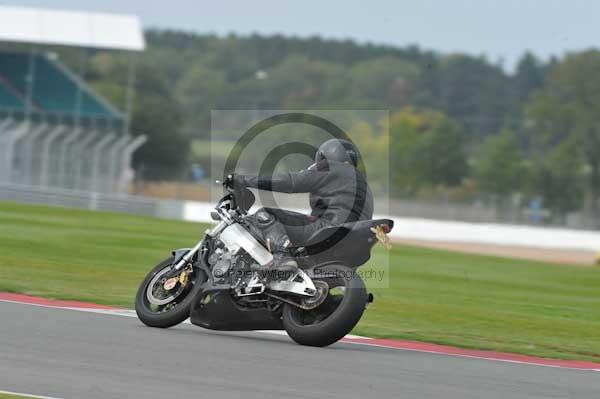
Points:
(283, 263)
(282, 268)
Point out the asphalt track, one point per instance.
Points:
(69, 354)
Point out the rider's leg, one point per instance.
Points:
(273, 230)
(282, 229)
(278, 241)
(298, 226)
(290, 218)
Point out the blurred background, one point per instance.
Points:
(479, 122)
(494, 119)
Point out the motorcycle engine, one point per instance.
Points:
(220, 261)
(227, 267)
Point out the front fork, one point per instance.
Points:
(187, 258)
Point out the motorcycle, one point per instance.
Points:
(216, 284)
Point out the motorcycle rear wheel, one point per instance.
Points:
(336, 316)
(177, 309)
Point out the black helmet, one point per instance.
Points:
(338, 150)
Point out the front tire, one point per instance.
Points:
(175, 310)
(335, 317)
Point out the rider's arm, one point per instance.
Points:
(293, 182)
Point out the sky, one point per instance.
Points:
(499, 29)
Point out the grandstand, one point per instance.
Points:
(55, 131)
(56, 90)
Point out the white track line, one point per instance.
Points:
(131, 313)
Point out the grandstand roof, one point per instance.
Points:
(71, 28)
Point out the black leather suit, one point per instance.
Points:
(339, 194)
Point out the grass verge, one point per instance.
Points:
(13, 396)
(437, 296)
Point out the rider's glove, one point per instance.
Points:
(229, 180)
(234, 180)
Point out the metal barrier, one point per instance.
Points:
(51, 154)
(168, 209)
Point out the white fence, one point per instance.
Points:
(405, 227)
(452, 231)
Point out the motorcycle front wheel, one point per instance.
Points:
(158, 307)
(336, 316)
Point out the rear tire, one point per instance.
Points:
(345, 315)
(181, 305)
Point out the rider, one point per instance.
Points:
(339, 194)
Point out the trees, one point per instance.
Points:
(440, 105)
(199, 73)
(385, 80)
(473, 92)
(299, 82)
(529, 77)
(158, 115)
(500, 169)
(563, 115)
(426, 148)
(316, 72)
(183, 76)
(197, 91)
(557, 178)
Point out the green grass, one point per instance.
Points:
(436, 296)
(11, 396)
(89, 256)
